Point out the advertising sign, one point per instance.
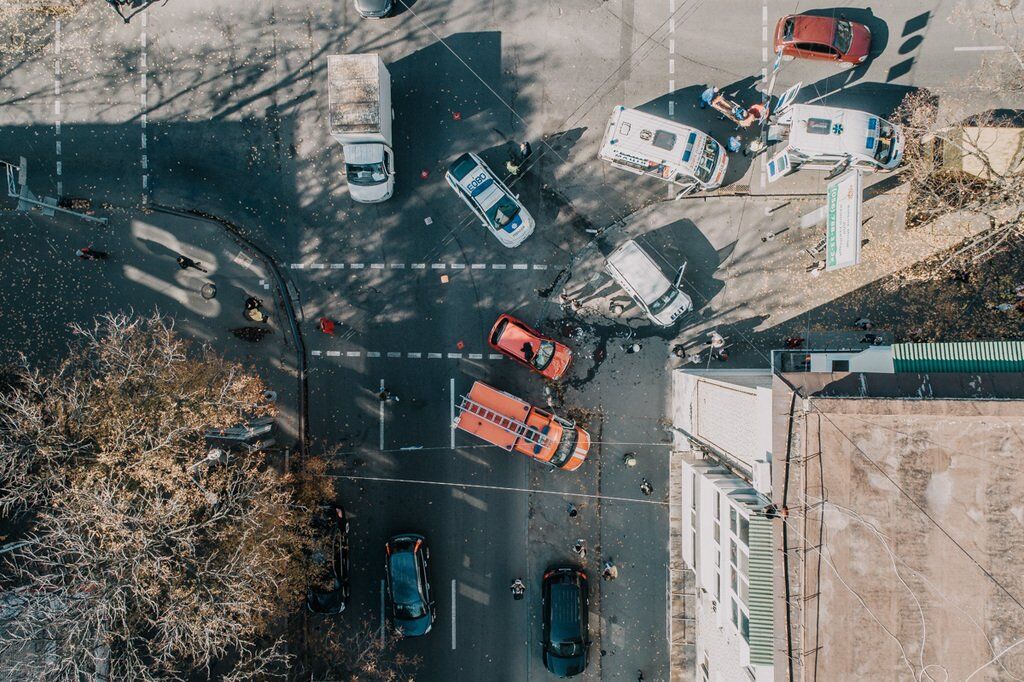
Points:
(842, 237)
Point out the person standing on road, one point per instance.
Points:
(386, 396)
(646, 488)
(518, 589)
(707, 96)
(580, 549)
(89, 253)
(184, 262)
(610, 571)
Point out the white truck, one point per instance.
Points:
(359, 102)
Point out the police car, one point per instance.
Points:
(492, 202)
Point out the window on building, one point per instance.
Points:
(735, 613)
(732, 519)
(718, 533)
(840, 365)
(744, 531)
(705, 668)
(733, 554)
(732, 581)
(718, 505)
(718, 587)
(745, 627)
(693, 490)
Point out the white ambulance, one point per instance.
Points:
(648, 145)
(827, 138)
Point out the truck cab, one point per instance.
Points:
(359, 100)
(513, 424)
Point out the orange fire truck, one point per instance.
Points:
(508, 422)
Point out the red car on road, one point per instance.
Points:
(519, 341)
(827, 38)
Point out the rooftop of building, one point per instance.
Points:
(904, 526)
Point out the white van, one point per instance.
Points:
(636, 272)
(831, 139)
(648, 145)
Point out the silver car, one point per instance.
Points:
(374, 9)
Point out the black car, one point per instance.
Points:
(328, 593)
(566, 613)
(412, 608)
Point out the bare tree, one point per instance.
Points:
(354, 653)
(140, 563)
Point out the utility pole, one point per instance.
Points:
(18, 189)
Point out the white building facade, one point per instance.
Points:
(722, 424)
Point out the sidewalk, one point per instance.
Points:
(47, 287)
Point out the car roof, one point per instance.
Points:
(404, 577)
(565, 612)
(499, 402)
(813, 29)
(640, 271)
(513, 336)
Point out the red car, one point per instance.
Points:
(812, 37)
(521, 342)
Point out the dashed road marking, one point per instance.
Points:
(356, 266)
(419, 266)
(376, 266)
(372, 354)
(476, 356)
(394, 354)
(353, 354)
(337, 266)
(458, 266)
(143, 106)
(434, 356)
(398, 355)
(57, 102)
(333, 353)
(411, 266)
(317, 266)
(520, 266)
(539, 266)
(980, 48)
(438, 266)
(454, 356)
(495, 356)
(479, 266)
(398, 266)
(498, 266)
(415, 356)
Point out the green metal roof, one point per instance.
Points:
(762, 587)
(976, 356)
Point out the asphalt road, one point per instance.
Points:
(221, 106)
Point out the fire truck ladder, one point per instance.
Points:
(513, 426)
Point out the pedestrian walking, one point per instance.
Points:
(734, 144)
(717, 343)
(632, 348)
(629, 459)
(89, 253)
(639, 676)
(572, 510)
(517, 158)
(580, 549)
(184, 262)
(646, 488)
(518, 588)
(610, 571)
(707, 96)
(386, 396)
(863, 323)
(327, 326)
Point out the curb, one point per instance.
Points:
(282, 289)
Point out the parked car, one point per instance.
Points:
(487, 196)
(565, 612)
(373, 9)
(329, 591)
(408, 586)
(526, 345)
(826, 38)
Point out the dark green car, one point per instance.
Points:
(566, 613)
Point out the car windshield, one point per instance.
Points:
(567, 649)
(885, 144)
(542, 358)
(707, 161)
(405, 590)
(504, 212)
(365, 174)
(664, 300)
(565, 447)
(843, 37)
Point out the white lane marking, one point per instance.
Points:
(764, 13)
(457, 266)
(416, 356)
(414, 266)
(476, 356)
(382, 611)
(376, 266)
(539, 266)
(453, 614)
(454, 356)
(398, 266)
(980, 48)
(316, 352)
(333, 353)
(353, 354)
(434, 356)
(394, 354)
(495, 356)
(397, 355)
(419, 266)
(479, 266)
(381, 416)
(372, 354)
(356, 266)
(498, 266)
(451, 409)
(317, 266)
(337, 266)
(438, 266)
(298, 266)
(520, 266)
